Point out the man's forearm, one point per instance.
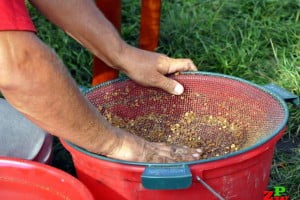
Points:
(34, 81)
(83, 21)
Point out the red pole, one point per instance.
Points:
(150, 22)
(112, 11)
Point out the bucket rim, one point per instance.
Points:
(279, 128)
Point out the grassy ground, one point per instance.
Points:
(258, 40)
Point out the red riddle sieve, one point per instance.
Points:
(216, 113)
(258, 113)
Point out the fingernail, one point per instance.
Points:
(178, 89)
(195, 155)
(199, 150)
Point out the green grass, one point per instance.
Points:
(258, 40)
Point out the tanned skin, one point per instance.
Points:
(35, 81)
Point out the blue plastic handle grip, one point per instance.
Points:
(82, 89)
(166, 177)
(282, 93)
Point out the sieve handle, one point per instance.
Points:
(167, 177)
(282, 93)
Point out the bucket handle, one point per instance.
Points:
(171, 177)
(167, 177)
(282, 93)
(209, 188)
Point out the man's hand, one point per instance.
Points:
(148, 68)
(132, 148)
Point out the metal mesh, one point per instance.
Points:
(216, 113)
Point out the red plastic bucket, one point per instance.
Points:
(28, 180)
(242, 175)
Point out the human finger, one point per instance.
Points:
(180, 65)
(169, 85)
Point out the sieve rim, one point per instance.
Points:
(279, 128)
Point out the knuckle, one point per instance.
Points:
(168, 85)
(152, 79)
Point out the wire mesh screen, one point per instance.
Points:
(218, 114)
